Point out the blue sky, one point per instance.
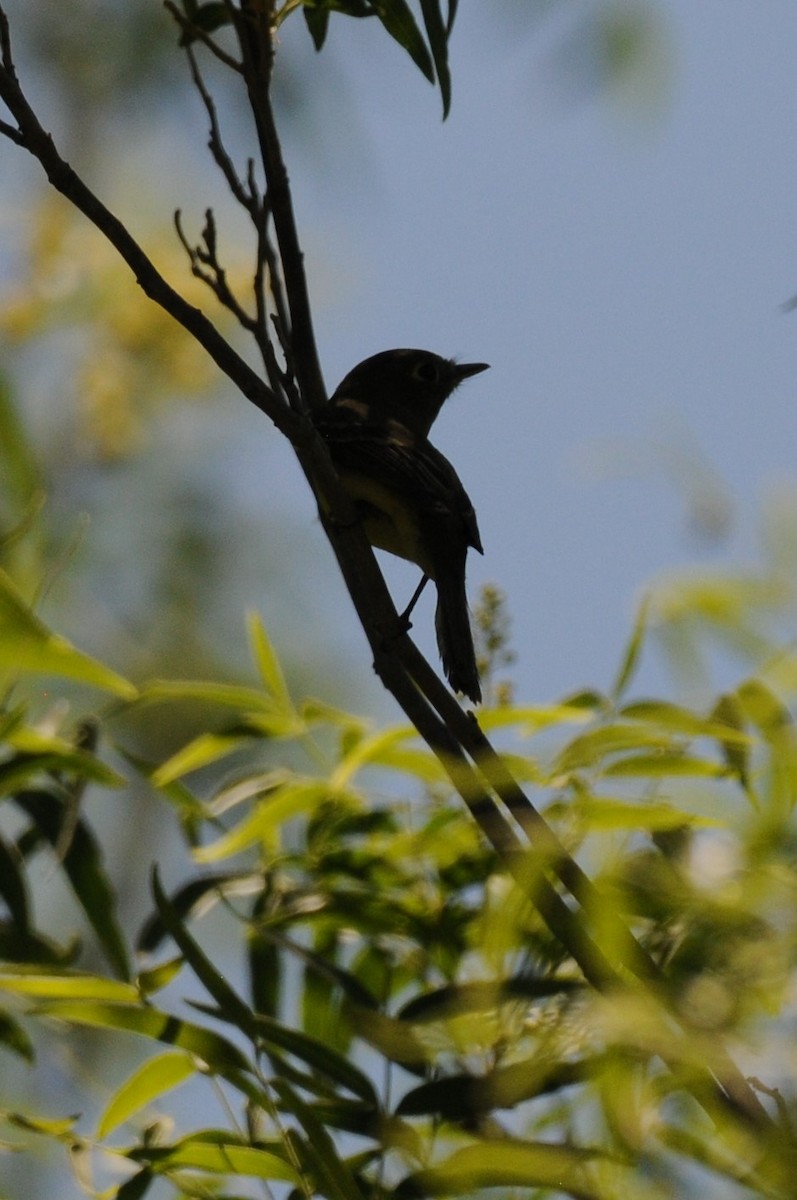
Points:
(619, 256)
(619, 259)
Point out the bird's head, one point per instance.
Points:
(409, 386)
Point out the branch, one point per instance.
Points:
(254, 36)
(475, 769)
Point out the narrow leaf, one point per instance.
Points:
(137, 1186)
(437, 34)
(333, 1178)
(151, 1081)
(14, 1037)
(633, 651)
(26, 644)
(232, 1006)
(509, 1164)
(68, 987)
(219, 1153)
(219, 1054)
(200, 752)
(399, 22)
(268, 664)
(84, 868)
(317, 21)
(266, 820)
(317, 1055)
(198, 895)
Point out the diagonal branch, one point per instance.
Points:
(504, 812)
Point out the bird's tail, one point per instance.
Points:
(454, 637)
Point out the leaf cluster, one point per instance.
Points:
(398, 985)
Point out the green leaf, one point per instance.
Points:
(268, 665)
(220, 1153)
(633, 651)
(316, 1054)
(441, 1004)
(679, 720)
(728, 715)
(60, 758)
(137, 1186)
(159, 977)
(54, 1127)
(437, 34)
(151, 1081)
(207, 18)
(82, 863)
(232, 1006)
(219, 1054)
(591, 748)
(467, 1096)
(264, 823)
(198, 894)
(396, 1040)
(368, 751)
(332, 1177)
(508, 1164)
(26, 644)
(21, 475)
(604, 814)
(14, 1037)
(66, 986)
(317, 21)
(200, 752)
(13, 888)
(535, 717)
(399, 22)
(762, 708)
(226, 695)
(666, 763)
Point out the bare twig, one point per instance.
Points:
(194, 33)
(479, 774)
(215, 143)
(254, 37)
(205, 265)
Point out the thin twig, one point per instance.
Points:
(192, 31)
(205, 265)
(215, 143)
(257, 52)
(64, 179)
(436, 715)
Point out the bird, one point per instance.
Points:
(376, 426)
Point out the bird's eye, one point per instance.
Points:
(426, 371)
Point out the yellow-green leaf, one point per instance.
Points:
(264, 822)
(201, 752)
(509, 1164)
(149, 1022)
(267, 663)
(68, 987)
(26, 644)
(223, 1156)
(156, 1077)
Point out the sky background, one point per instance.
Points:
(618, 250)
(619, 256)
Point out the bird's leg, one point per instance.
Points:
(404, 619)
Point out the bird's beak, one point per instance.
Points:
(465, 370)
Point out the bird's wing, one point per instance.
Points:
(409, 465)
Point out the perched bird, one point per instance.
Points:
(376, 425)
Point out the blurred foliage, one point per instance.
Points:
(402, 1021)
(336, 966)
(127, 357)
